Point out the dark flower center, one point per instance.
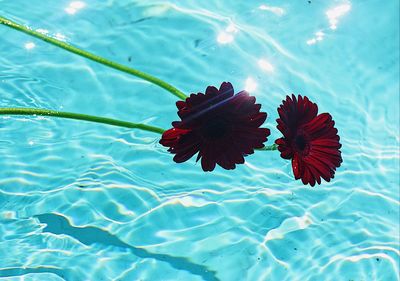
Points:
(301, 142)
(215, 129)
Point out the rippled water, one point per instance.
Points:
(81, 201)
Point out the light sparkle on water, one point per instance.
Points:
(74, 7)
(30, 45)
(251, 85)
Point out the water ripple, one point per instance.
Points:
(101, 189)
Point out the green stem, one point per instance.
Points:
(91, 118)
(269, 147)
(94, 57)
(78, 116)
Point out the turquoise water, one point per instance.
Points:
(83, 201)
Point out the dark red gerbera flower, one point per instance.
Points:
(220, 126)
(310, 140)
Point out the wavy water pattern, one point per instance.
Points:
(81, 201)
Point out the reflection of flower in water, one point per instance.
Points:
(310, 140)
(222, 127)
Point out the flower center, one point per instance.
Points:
(301, 142)
(216, 128)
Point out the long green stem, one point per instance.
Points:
(94, 57)
(91, 118)
(78, 116)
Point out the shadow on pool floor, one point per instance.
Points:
(58, 224)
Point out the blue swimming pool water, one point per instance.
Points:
(82, 201)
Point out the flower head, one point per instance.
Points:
(310, 140)
(222, 127)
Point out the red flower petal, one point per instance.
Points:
(211, 91)
(226, 88)
(171, 137)
(310, 140)
(221, 126)
(297, 167)
(180, 104)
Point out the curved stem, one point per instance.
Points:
(94, 57)
(78, 116)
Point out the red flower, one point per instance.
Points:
(220, 126)
(310, 140)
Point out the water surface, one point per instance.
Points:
(81, 201)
